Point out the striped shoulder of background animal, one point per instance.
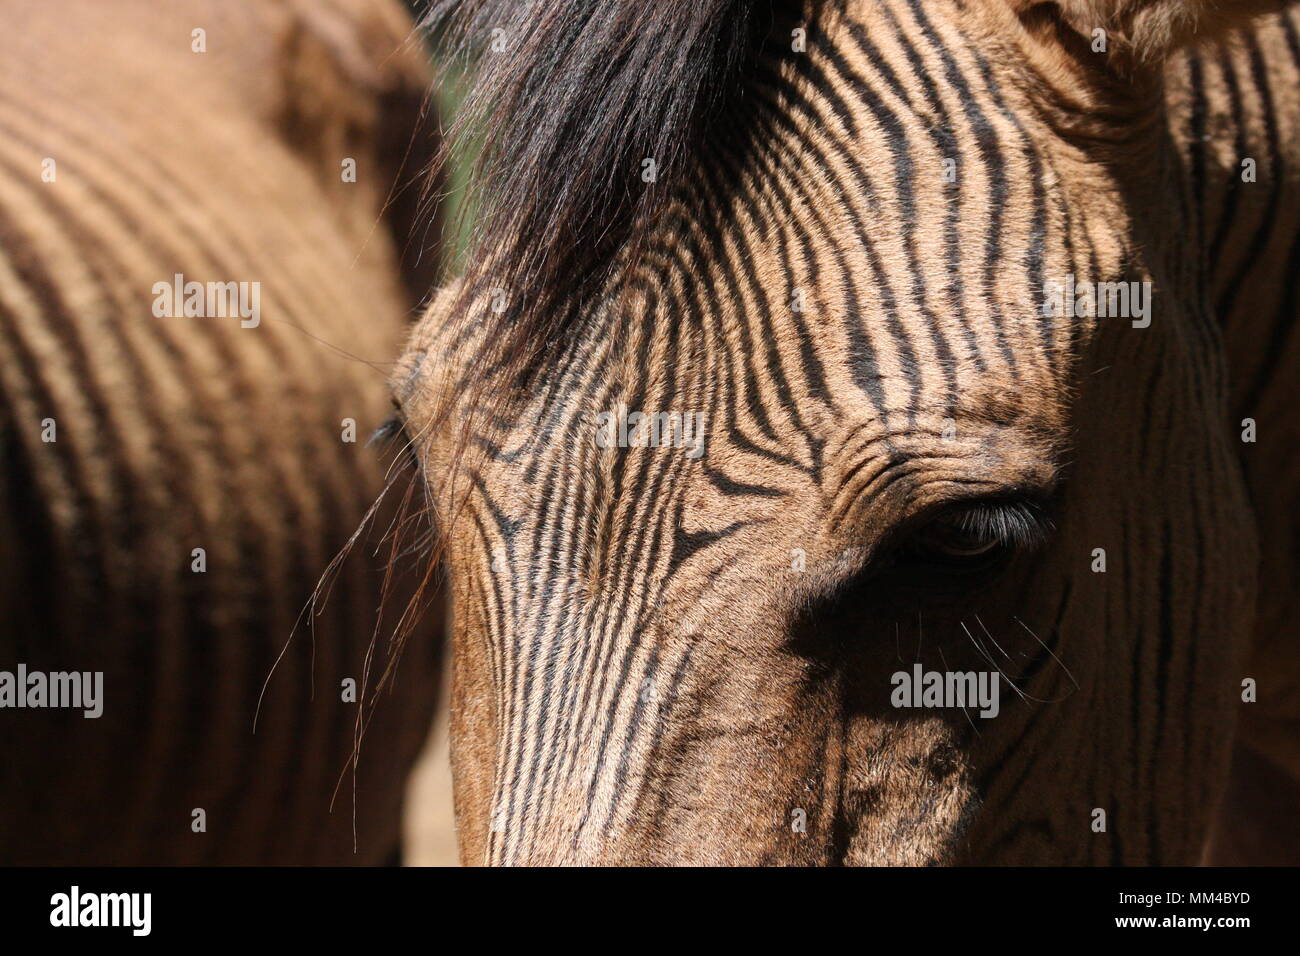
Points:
(178, 469)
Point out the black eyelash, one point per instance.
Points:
(390, 429)
(392, 434)
(1018, 523)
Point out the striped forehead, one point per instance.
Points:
(861, 241)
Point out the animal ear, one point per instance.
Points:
(357, 107)
(1145, 31)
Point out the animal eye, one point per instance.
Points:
(953, 539)
(394, 436)
(977, 536)
(391, 428)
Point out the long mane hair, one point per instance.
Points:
(566, 100)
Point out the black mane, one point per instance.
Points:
(558, 125)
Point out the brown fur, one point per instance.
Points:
(640, 677)
(181, 433)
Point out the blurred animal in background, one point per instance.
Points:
(206, 266)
